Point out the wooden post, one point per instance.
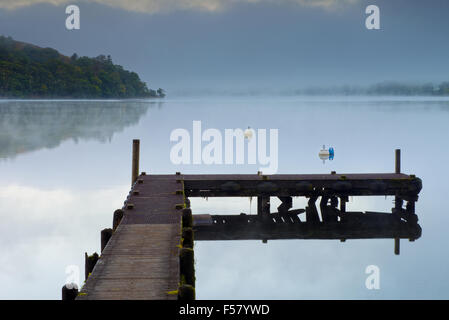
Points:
(263, 207)
(397, 200)
(187, 218)
(398, 161)
(118, 215)
(187, 236)
(263, 210)
(106, 234)
(396, 246)
(343, 200)
(187, 265)
(135, 161)
(186, 293)
(89, 263)
(69, 292)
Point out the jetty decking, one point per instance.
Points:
(141, 260)
(149, 252)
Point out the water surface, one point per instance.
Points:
(65, 167)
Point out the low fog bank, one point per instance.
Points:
(386, 88)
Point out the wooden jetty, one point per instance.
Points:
(306, 223)
(148, 254)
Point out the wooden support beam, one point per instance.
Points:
(301, 185)
(263, 207)
(343, 200)
(263, 210)
(372, 227)
(410, 207)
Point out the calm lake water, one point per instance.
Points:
(65, 166)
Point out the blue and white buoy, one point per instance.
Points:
(325, 154)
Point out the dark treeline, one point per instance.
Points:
(28, 71)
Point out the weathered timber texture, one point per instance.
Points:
(251, 227)
(286, 185)
(141, 259)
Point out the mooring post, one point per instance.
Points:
(89, 263)
(69, 292)
(398, 161)
(396, 199)
(117, 218)
(135, 161)
(106, 234)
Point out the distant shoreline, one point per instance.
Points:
(214, 97)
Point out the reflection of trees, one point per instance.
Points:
(31, 125)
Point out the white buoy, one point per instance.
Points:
(323, 154)
(248, 133)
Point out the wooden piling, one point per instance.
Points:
(69, 292)
(263, 206)
(106, 234)
(396, 246)
(187, 266)
(397, 161)
(187, 236)
(186, 293)
(187, 218)
(135, 161)
(118, 215)
(89, 263)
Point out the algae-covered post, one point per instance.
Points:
(69, 292)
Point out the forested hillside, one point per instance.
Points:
(28, 71)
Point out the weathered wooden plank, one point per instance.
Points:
(141, 259)
(408, 186)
